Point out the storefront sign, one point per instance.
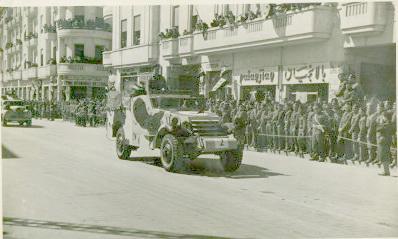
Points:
(265, 76)
(309, 73)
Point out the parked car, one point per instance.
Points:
(14, 110)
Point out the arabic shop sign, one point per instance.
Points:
(265, 76)
(308, 74)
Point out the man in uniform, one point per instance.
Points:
(294, 125)
(371, 133)
(362, 135)
(310, 115)
(275, 139)
(287, 140)
(281, 128)
(240, 121)
(354, 131)
(344, 128)
(320, 124)
(302, 130)
(383, 138)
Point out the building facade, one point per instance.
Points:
(292, 52)
(53, 53)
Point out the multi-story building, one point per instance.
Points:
(53, 52)
(294, 52)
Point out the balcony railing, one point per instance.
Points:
(136, 55)
(169, 48)
(185, 46)
(76, 23)
(81, 69)
(363, 17)
(46, 71)
(311, 24)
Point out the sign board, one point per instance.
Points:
(312, 73)
(263, 76)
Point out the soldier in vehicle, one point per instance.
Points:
(240, 122)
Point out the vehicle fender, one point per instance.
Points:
(163, 130)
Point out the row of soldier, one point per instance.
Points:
(83, 112)
(361, 131)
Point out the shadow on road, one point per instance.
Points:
(99, 229)
(23, 126)
(211, 167)
(6, 153)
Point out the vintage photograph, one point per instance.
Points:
(199, 120)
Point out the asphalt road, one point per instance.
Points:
(62, 181)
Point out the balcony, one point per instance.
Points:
(46, 71)
(107, 12)
(135, 55)
(185, 47)
(106, 58)
(363, 18)
(78, 28)
(81, 69)
(169, 48)
(312, 24)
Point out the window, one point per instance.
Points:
(137, 30)
(79, 50)
(98, 52)
(175, 16)
(123, 33)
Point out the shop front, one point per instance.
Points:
(310, 82)
(254, 84)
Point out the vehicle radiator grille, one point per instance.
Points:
(208, 128)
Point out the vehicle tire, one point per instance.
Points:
(171, 154)
(231, 160)
(123, 150)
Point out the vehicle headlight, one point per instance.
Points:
(187, 125)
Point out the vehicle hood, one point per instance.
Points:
(194, 115)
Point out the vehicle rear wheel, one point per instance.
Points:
(123, 150)
(231, 160)
(171, 154)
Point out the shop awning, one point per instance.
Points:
(219, 84)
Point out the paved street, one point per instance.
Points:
(61, 181)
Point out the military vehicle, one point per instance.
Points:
(15, 110)
(146, 112)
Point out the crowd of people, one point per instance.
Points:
(351, 126)
(83, 112)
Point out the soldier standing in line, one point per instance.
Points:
(394, 137)
(344, 128)
(362, 135)
(383, 138)
(281, 128)
(320, 124)
(354, 131)
(286, 129)
(371, 133)
(275, 139)
(310, 115)
(269, 127)
(294, 125)
(302, 130)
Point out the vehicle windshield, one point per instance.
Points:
(183, 104)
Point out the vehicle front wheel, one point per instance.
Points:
(171, 154)
(123, 150)
(231, 160)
